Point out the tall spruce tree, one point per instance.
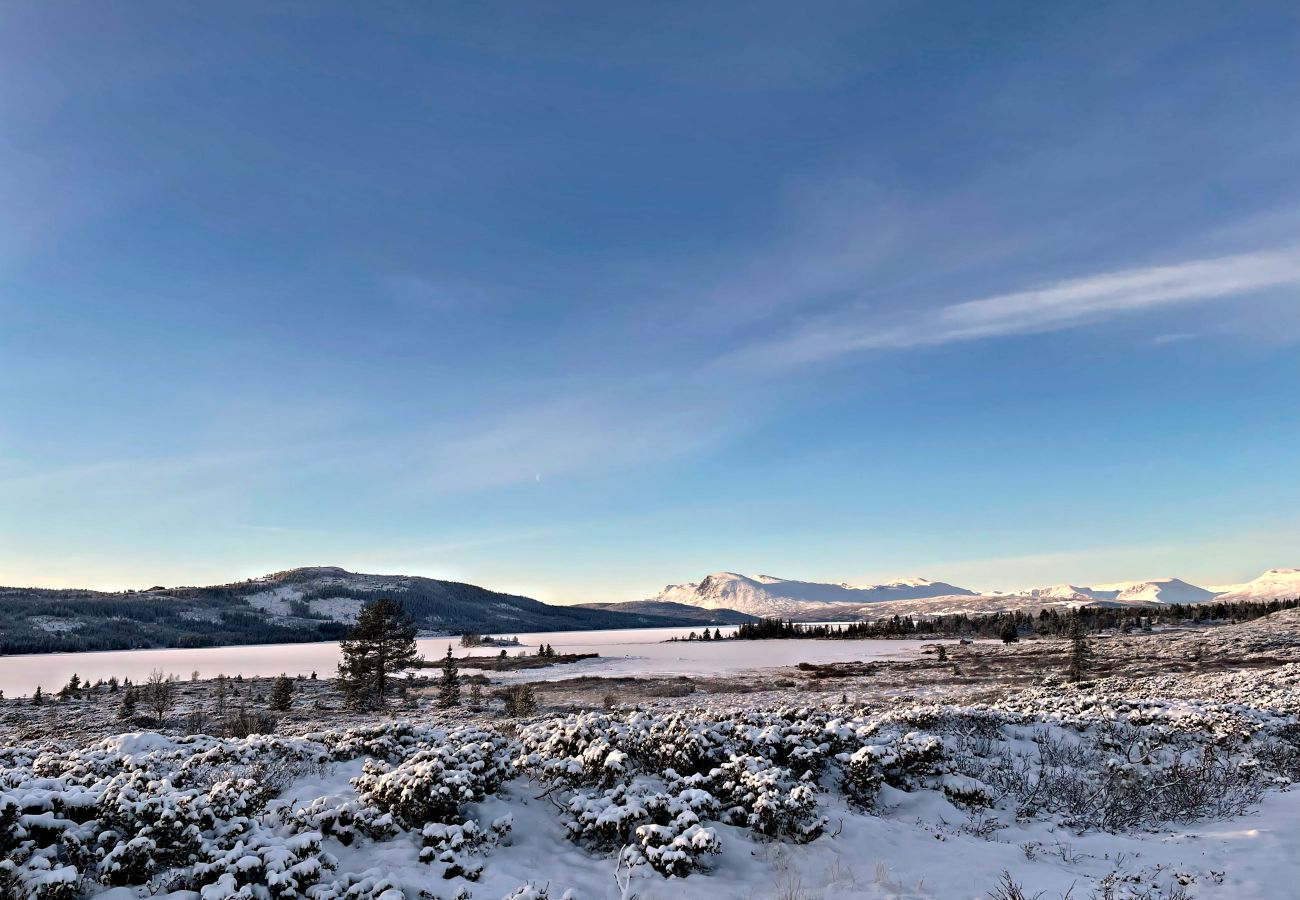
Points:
(378, 647)
(449, 687)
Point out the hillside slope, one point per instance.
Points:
(307, 604)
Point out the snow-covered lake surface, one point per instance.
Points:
(637, 651)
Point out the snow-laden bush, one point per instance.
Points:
(283, 868)
(147, 825)
(674, 849)
(767, 798)
(907, 760)
(391, 741)
(578, 750)
(658, 828)
(372, 884)
(345, 820)
(454, 845)
(604, 820)
(39, 878)
(431, 785)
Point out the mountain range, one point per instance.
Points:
(317, 603)
(765, 595)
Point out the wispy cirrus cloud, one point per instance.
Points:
(1066, 304)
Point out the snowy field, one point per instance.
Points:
(640, 652)
(982, 775)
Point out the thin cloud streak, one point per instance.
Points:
(1061, 306)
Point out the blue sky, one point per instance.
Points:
(579, 300)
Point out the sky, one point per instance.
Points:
(578, 300)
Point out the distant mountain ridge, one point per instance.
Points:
(765, 595)
(314, 603)
(698, 614)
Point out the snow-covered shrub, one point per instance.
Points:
(904, 761)
(392, 741)
(908, 760)
(231, 799)
(39, 878)
(862, 776)
(453, 845)
(577, 750)
(282, 867)
(148, 825)
(372, 884)
(605, 820)
(963, 790)
(767, 798)
(674, 849)
(802, 740)
(661, 829)
(433, 784)
(680, 742)
(345, 821)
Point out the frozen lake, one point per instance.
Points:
(638, 651)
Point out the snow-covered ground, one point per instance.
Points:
(980, 775)
(1067, 794)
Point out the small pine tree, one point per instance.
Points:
(126, 709)
(1008, 633)
(943, 653)
(72, 687)
(281, 693)
(717, 634)
(449, 687)
(38, 698)
(476, 695)
(1080, 652)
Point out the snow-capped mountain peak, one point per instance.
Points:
(767, 595)
(1272, 585)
